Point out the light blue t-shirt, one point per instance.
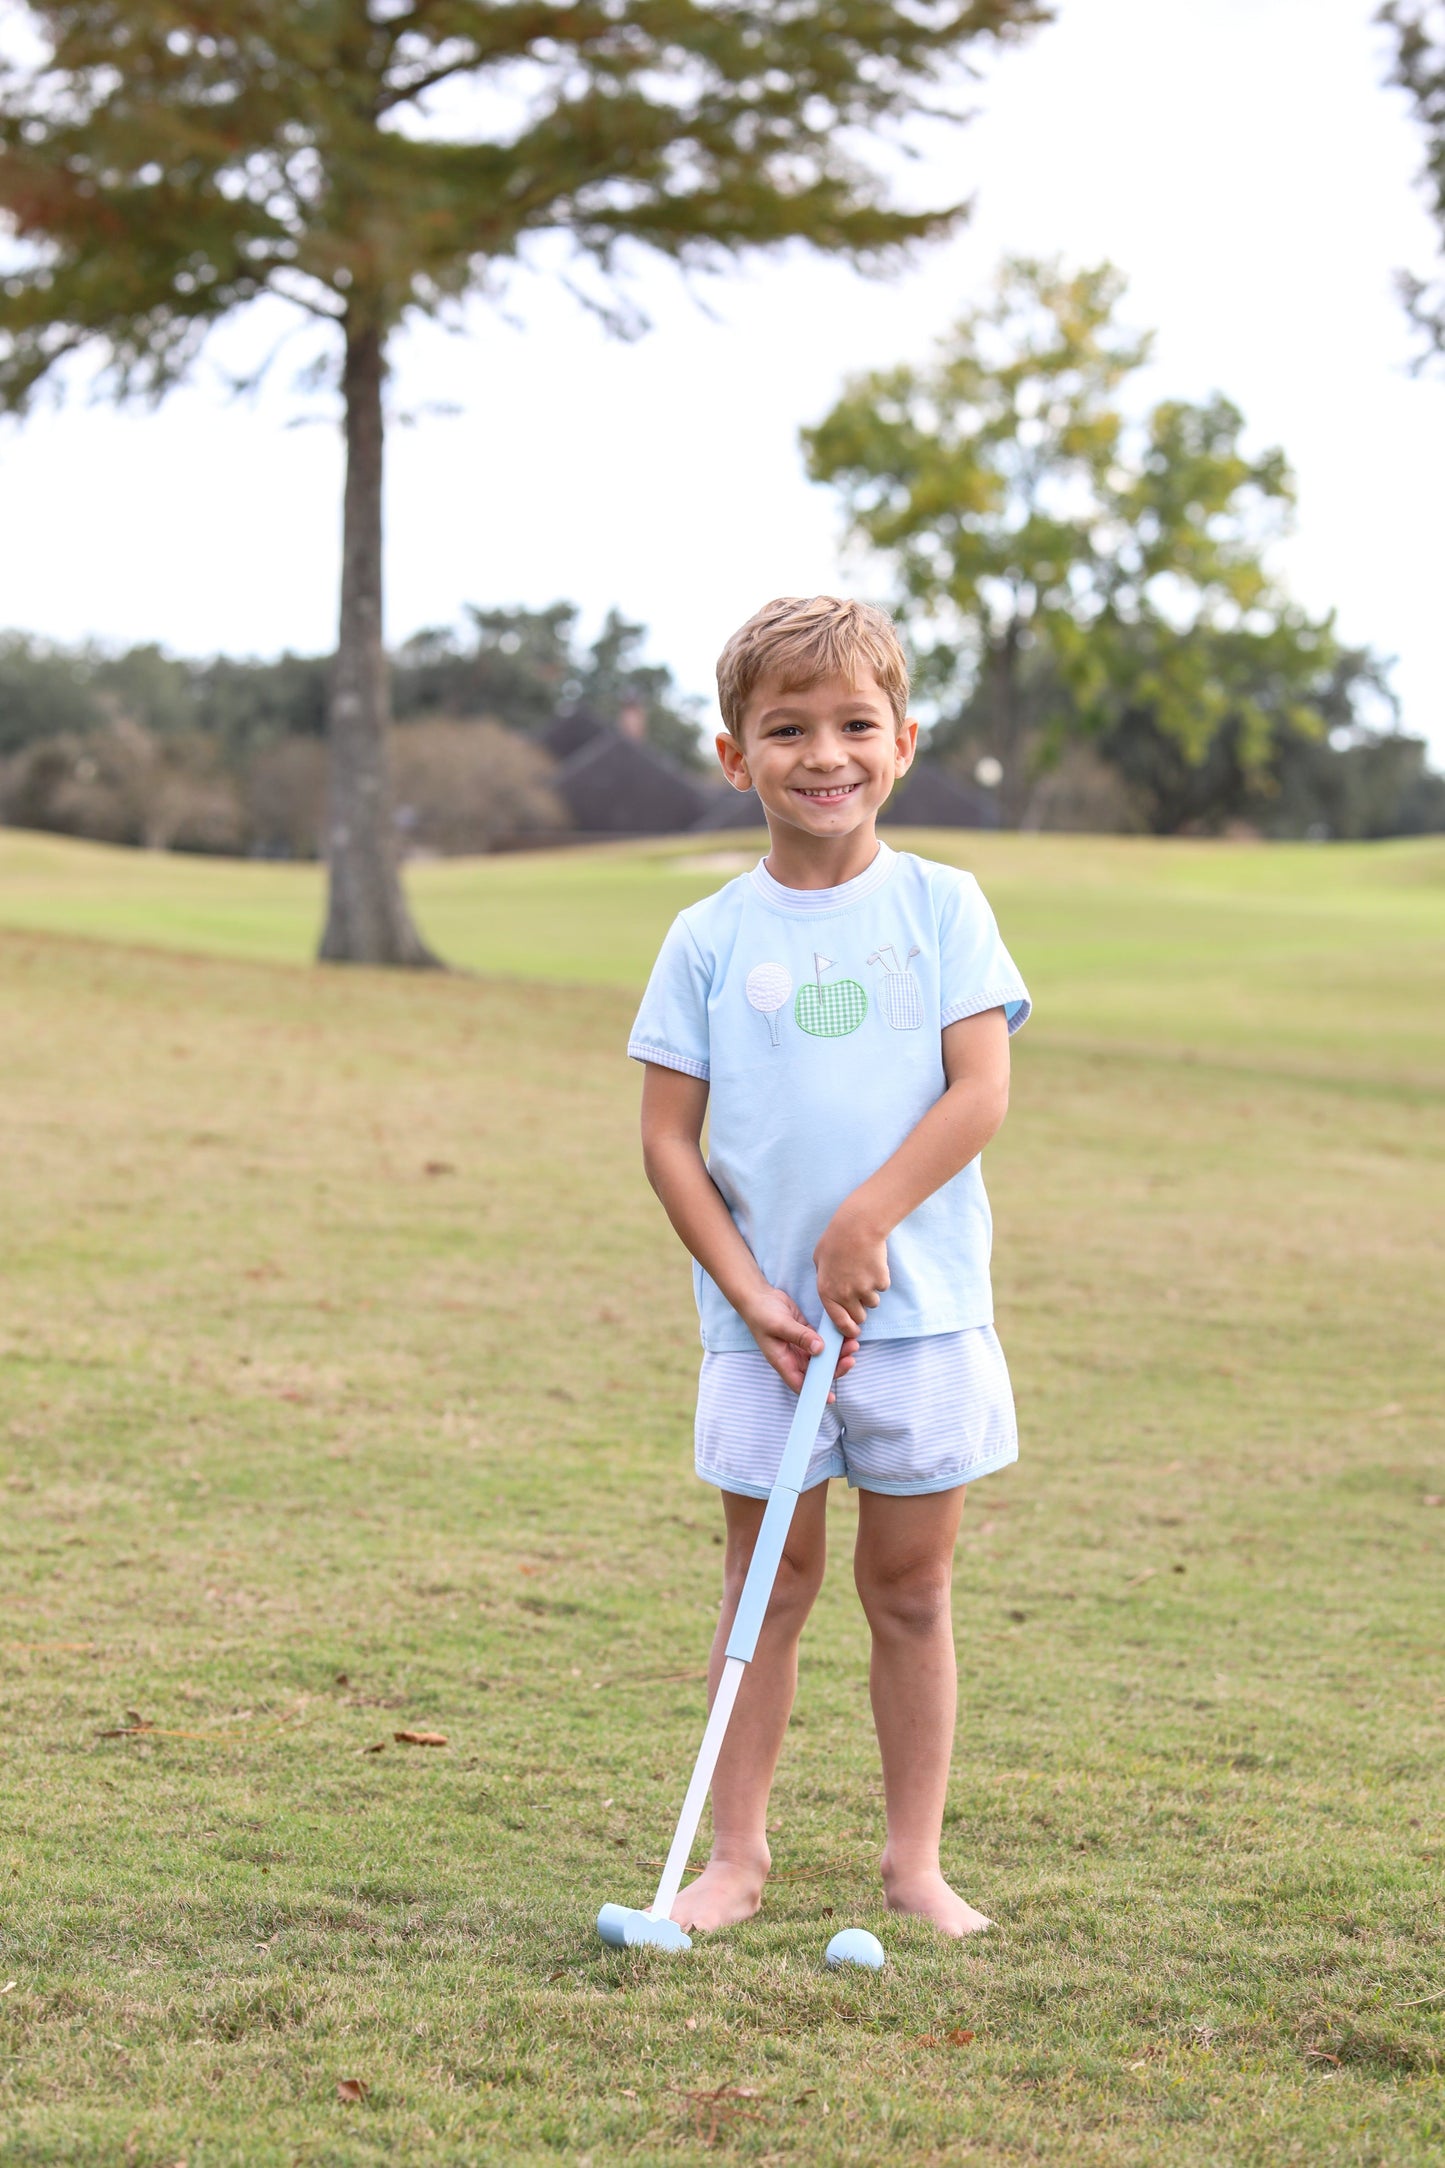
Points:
(816, 1016)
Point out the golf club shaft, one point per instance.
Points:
(753, 1603)
(697, 1790)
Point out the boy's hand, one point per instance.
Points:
(788, 1340)
(852, 1266)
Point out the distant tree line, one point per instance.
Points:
(141, 747)
(144, 748)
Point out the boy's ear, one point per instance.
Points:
(905, 746)
(734, 760)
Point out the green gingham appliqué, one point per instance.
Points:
(833, 1010)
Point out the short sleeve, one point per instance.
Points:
(976, 971)
(671, 1026)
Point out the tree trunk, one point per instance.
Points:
(1008, 726)
(367, 920)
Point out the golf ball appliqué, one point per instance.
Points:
(855, 1946)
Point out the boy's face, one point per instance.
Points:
(823, 757)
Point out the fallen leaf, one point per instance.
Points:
(378, 1748)
(958, 2038)
(1322, 2055)
(7, 1987)
(352, 2088)
(1432, 1498)
(690, 2024)
(342, 1679)
(827, 1914)
(629, 2092)
(420, 1738)
(928, 2040)
(799, 2098)
(440, 1166)
(133, 1716)
(1147, 1575)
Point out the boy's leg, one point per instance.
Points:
(730, 1887)
(904, 1569)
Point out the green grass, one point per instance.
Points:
(305, 1444)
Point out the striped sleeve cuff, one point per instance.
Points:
(1013, 999)
(664, 1058)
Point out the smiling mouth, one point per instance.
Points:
(831, 795)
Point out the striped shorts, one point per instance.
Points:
(910, 1417)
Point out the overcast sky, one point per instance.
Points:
(1238, 159)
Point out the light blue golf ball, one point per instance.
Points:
(855, 1946)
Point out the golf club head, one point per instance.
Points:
(622, 1928)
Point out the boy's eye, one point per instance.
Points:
(861, 722)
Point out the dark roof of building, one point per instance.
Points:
(569, 730)
(729, 808)
(930, 797)
(619, 786)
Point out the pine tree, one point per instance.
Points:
(165, 162)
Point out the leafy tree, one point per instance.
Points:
(246, 704)
(47, 689)
(1018, 508)
(1357, 775)
(167, 161)
(614, 675)
(1419, 33)
(515, 664)
(524, 665)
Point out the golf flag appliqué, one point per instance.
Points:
(830, 1011)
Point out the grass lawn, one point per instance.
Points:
(345, 1388)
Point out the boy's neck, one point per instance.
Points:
(796, 860)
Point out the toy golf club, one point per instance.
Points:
(620, 1925)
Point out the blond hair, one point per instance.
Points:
(799, 639)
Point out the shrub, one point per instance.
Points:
(122, 784)
(462, 786)
(286, 799)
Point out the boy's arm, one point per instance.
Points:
(852, 1254)
(673, 1107)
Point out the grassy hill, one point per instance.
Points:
(1282, 952)
(345, 1383)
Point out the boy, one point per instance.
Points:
(842, 1016)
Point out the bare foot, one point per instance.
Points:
(725, 1893)
(925, 1893)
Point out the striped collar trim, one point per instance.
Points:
(805, 902)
